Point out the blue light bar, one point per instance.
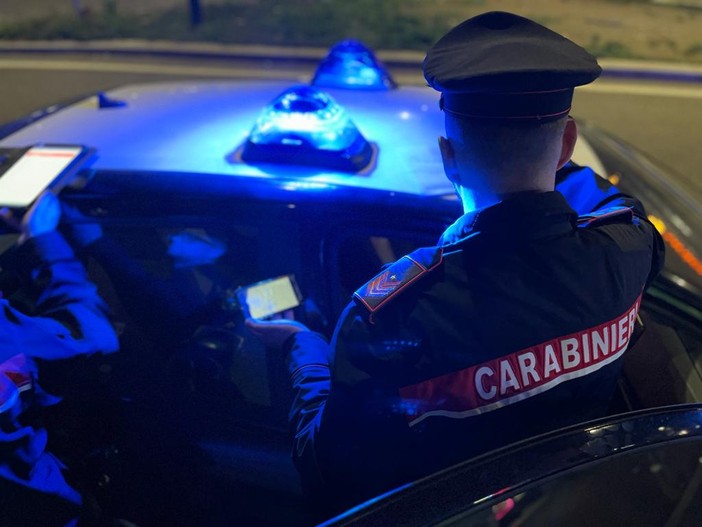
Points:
(305, 126)
(352, 65)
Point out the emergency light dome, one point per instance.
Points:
(352, 65)
(305, 126)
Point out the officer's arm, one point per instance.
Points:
(342, 432)
(591, 195)
(308, 365)
(68, 318)
(314, 414)
(588, 192)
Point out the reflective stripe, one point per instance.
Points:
(511, 378)
(8, 393)
(15, 377)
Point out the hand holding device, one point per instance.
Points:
(274, 333)
(42, 217)
(267, 299)
(82, 230)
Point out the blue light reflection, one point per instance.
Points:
(192, 248)
(305, 186)
(366, 504)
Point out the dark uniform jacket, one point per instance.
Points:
(514, 325)
(68, 319)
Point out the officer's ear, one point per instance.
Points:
(570, 136)
(448, 156)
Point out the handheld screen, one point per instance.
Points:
(269, 297)
(37, 169)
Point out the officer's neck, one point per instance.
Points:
(474, 199)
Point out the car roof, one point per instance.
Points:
(199, 127)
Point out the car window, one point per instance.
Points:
(657, 486)
(692, 340)
(682, 326)
(194, 398)
(170, 286)
(664, 365)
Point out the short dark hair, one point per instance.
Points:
(505, 146)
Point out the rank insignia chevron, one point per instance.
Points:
(405, 271)
(382, 284)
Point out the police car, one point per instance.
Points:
(197, 190)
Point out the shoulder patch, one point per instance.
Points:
(605, 216)
(377, 292)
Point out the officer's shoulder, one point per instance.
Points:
(397, 278)
(606, 216)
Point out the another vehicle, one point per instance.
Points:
(642, 468)
(182, 206)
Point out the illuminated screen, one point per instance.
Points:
(33, 172)
(270, 297)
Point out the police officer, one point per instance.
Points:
(515, 323)
(68, 319)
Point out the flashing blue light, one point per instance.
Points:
(305, 126)
(352, 65)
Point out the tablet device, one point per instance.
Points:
(263, 299)
(38, 168)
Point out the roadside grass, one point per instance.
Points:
(264, 22)
(58, 27)
(386, 24)
(609, 48)
(694, 51)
